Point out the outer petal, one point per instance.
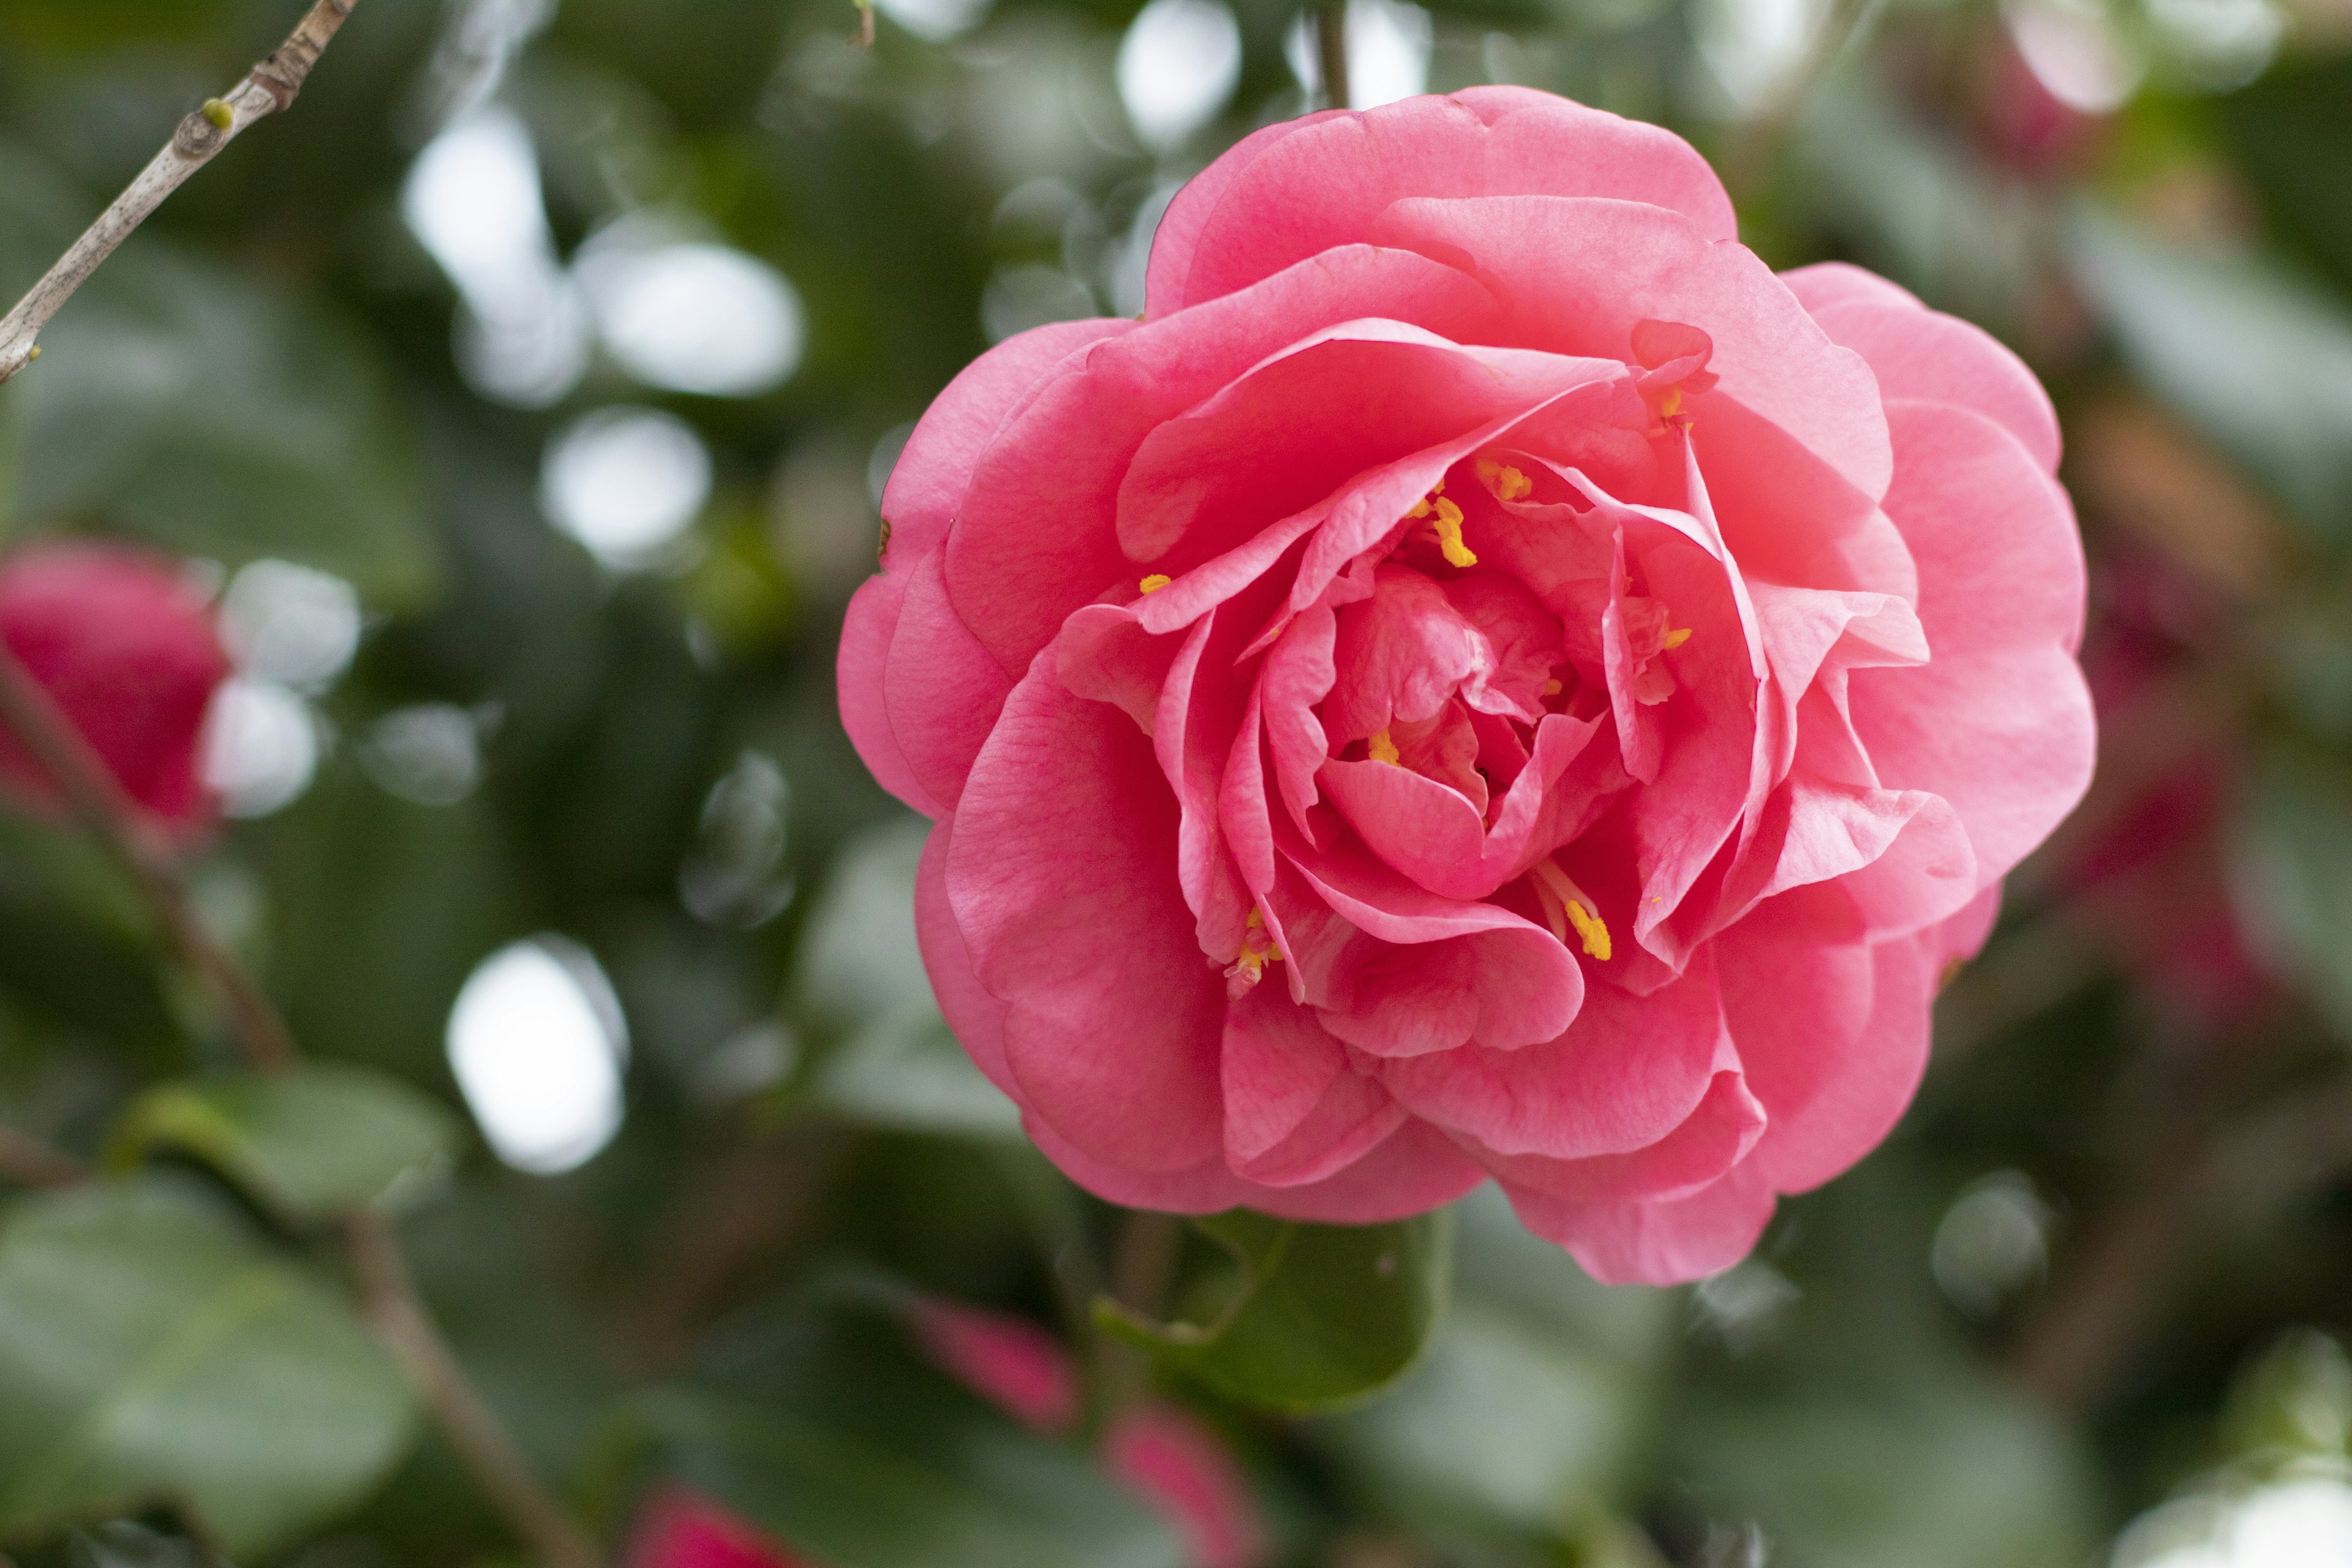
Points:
(1998, 720)
(1295, 1111)
(1827, 283)
(1324, 184)
(1925, 355)
(939, 688)
(976, 1018)
(1628, 1072)
(926, 487)
(1715, 1136)
(1663, 1242)
(1834, 1040)
(865, 658)
(1414, 1170)
(1061, 879)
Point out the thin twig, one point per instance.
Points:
(108, 813)
(1331, 50)
(26, 1161)
(109, 816)
(390, 1300)
(266, 88)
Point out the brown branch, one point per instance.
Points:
(1331, 50)
(390, 1300)
(267, 89)
(98, 802)
(26, 1161)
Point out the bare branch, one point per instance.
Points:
(398, 1316)
(268, 87)
(1331, 50)
(98, 802)
(26, 1161)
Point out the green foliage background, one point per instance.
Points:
(2098, 1268)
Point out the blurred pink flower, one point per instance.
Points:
(1173, 1459)
(682, 1529)
(1484, 680)
(1009, 1361)
(130, 655)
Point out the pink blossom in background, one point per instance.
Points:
(681, 1528)
(1172, 1458)
(1484, 680)
(131, 656)
(1009, 1361)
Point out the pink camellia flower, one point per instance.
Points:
(682, 1529)
(1010, 1362)
(1482, 680)
(1181, 1468)
(130, 656)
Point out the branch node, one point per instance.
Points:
(199, 134)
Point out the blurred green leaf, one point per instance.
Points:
(149, 1349)
(2288, 132)
(181, 403)
(905, 1071)
(1325, 1316)
(1498, 1420)
(825, 1430)
(2293, 852)
(120, 1544)
(2258, 358)
(1946, 1473)
(313, 1142)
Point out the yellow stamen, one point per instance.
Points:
(1671, 404)
(1153, 584)
(1676, 639)
(1449, 535)
(1589, 929)
(1380, 749)
(1557, 888)
(1553, 689)
(1255, 921)
(1507, 482)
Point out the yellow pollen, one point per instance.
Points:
(1507, 482)
(1153, 584)
(1255, 921)
(1589, 929)
(1449, 536)
(1672, 404)
(1566, 905)
(1676, 639)
(1380, 749)
(1553, 689)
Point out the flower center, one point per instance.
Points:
(1567, 906)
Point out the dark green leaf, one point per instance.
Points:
(1323, 1317)
(825, 1430)
(187, 406)
(149, 1349)
(314, 1142)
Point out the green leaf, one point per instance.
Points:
(188, 406)
(313, 1142)
(897, 1065)
(2253, 354)
(904, 1071)
(1325, 1316)
(836, 1439)
(151, 1350)
(2292, 849)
